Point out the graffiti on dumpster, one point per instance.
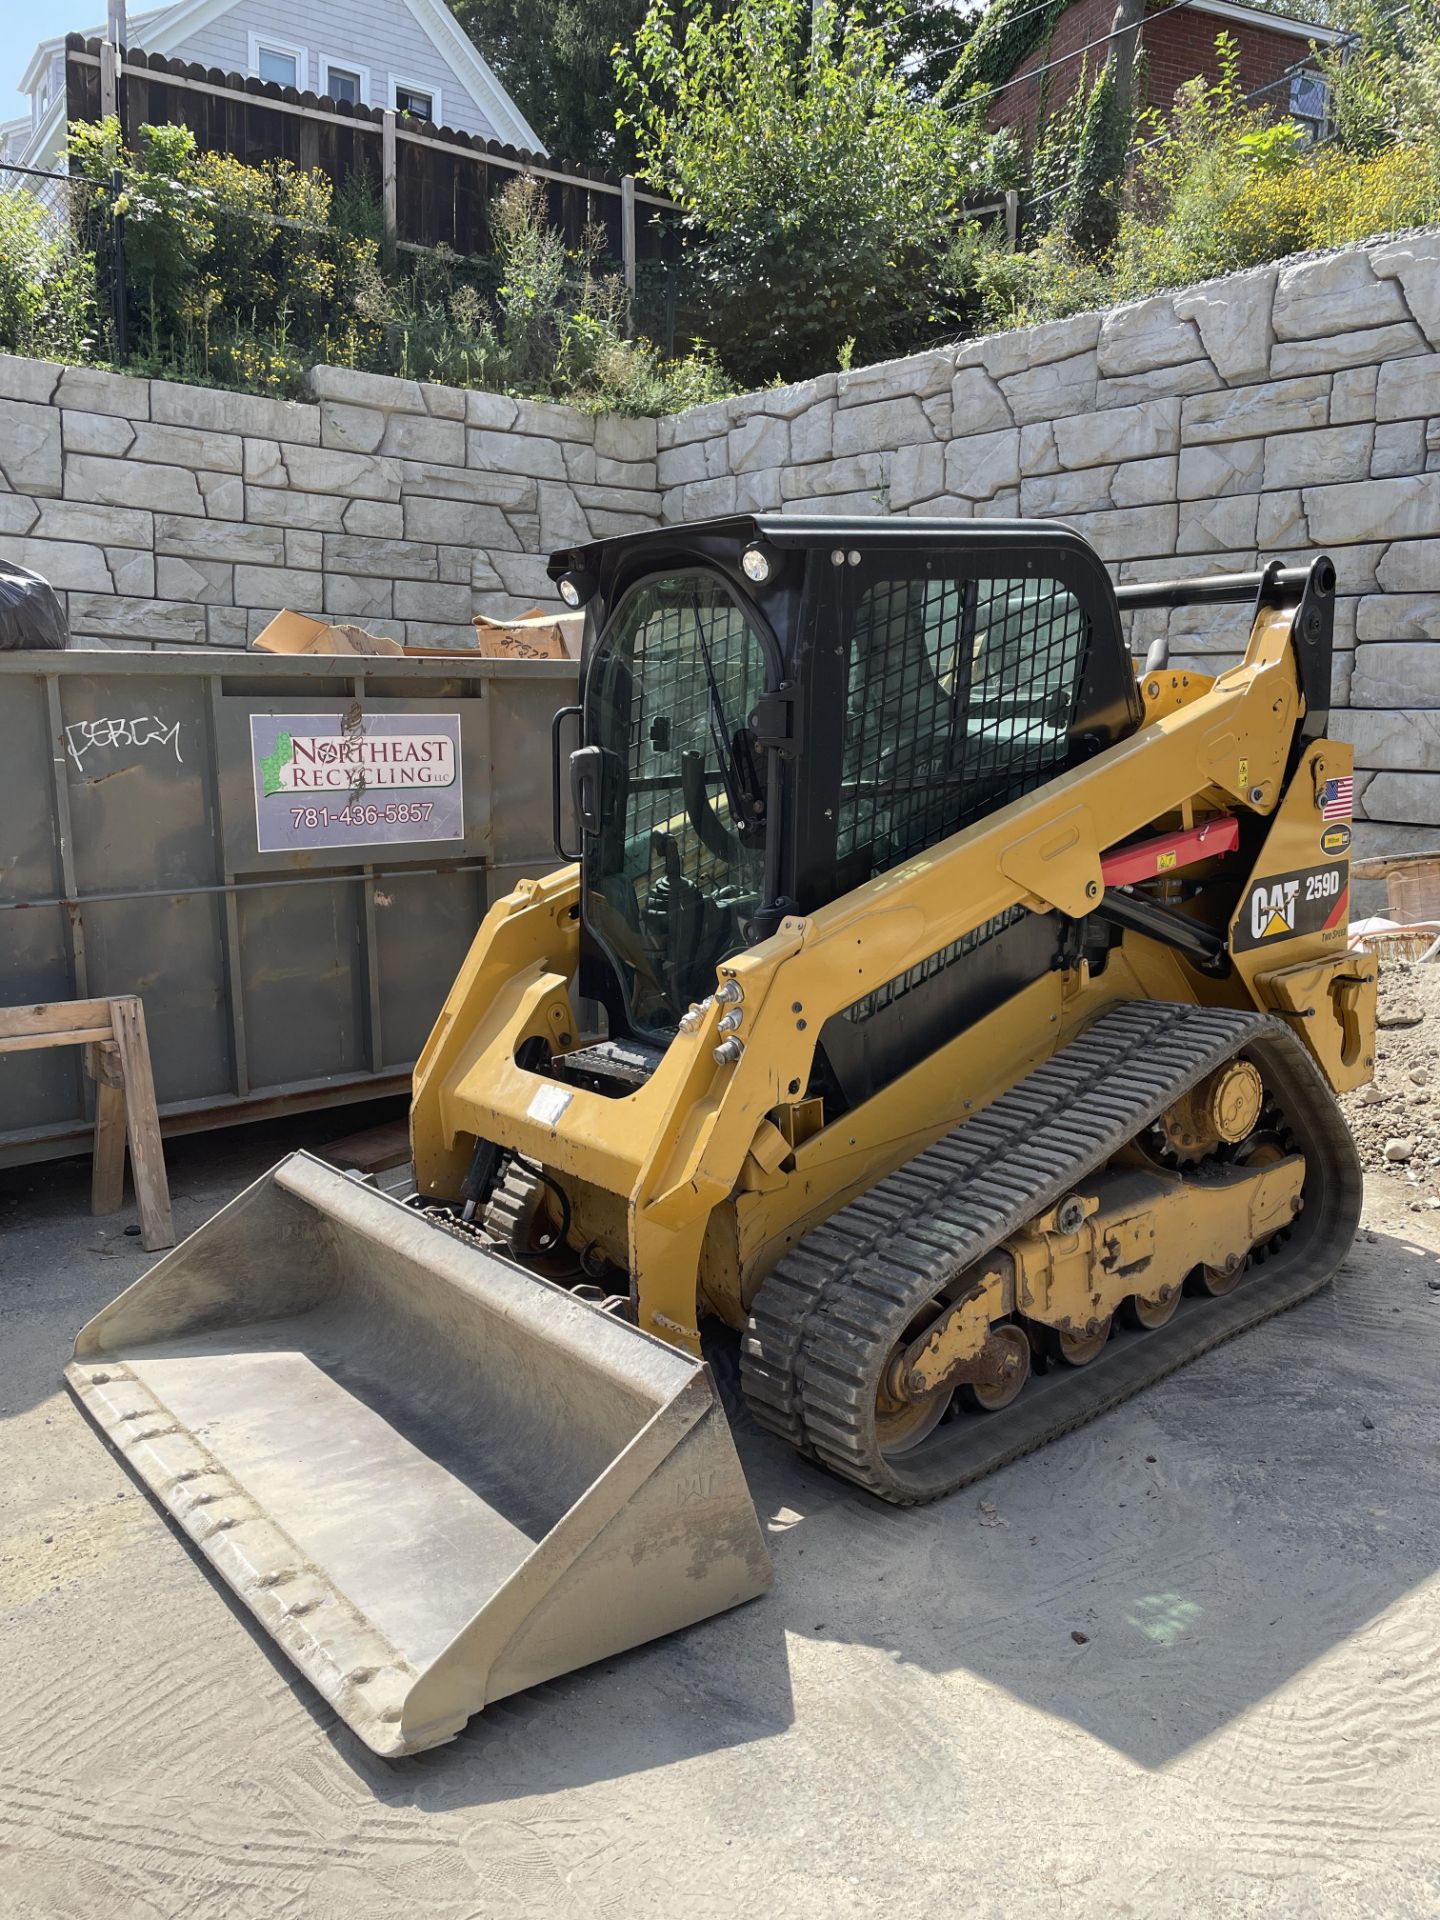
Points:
(356, 779)
(121, 730)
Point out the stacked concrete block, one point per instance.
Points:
(169, 515)
(1273, 413)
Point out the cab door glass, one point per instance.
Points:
(676, 869)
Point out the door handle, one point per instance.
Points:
(557, 830)
(587, 785)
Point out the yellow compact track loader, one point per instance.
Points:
(945, 1007)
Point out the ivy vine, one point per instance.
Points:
(1009, 32)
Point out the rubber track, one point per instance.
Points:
(829, 1314)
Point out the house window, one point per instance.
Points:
(1310, 102)
(421, 103)
(278, 62)
(280, 69)
(350, 84)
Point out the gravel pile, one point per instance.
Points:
(1396, 1119)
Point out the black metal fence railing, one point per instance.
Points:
(55, 193)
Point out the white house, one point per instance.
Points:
(408, 54)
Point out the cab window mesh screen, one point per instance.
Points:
(959, 700)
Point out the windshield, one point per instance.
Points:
(678, 866)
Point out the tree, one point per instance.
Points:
(929, 37)
(555, 59)
(821, 197)
(1124, 33)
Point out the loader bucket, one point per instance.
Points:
(433, 1478)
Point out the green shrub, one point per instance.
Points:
(1052, 159)
(551, 327)
(1217, 188)
(47, 281)
(822, 199)
(233, 271)
(1092, 206)
(1384, 83)
(247, 275)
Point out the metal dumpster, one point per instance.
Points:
(287, 858)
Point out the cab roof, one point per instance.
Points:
(817, 531)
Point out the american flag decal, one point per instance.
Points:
(1338, 800)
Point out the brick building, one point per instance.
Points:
(1178, 42)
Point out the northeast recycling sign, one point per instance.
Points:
(356, 779)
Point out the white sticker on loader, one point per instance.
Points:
(549, 1103)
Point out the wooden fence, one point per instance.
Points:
(437, 183)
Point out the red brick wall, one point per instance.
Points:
(1180, 45)
(1177, 45)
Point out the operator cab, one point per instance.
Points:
(775, 709)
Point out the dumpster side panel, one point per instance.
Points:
(170, 949)
(42, 1088)
(35, 962)
(139, 772)
(303, 982)
(521, 774)
(300, 973)
(138, 763)
(424, 925)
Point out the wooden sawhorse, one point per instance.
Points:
(118, 1060)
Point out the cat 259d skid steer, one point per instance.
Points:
(946, 1007)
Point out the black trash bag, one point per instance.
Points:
(30, 614)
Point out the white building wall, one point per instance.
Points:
(50, 83)
(381, 35)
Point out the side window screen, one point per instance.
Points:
(959, 700)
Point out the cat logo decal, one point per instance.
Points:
(1272, 909)
(1314, 901)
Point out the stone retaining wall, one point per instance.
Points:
(173, 515)
(1273, 413)
(1278, 412)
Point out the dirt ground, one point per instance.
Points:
(1396, 1119)
(1185, 1664)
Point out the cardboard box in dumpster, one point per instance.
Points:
(535, 635)
(301, 633)
(530, 636)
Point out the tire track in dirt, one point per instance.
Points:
(1340, 1765)
(904, 1720)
